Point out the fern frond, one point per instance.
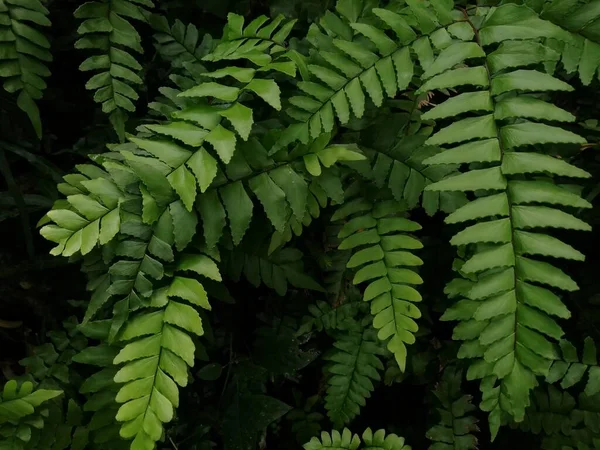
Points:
(401, 169)
(179, 44)
(158, 349)
(106, 29)
(456, 427)
(20, 413)
(377, 234)
(580, 48)
(349, 441)
(570, 370)
(565, 422)
(506, 316)
(355, 366)
(49, 364)
(277, 271)
(24, 53)
(258, 42)
(355, 60)
(100, 388)
(325, 317)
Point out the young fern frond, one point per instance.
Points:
(24, 53)
(106, 29)
(570, 370)
(506, 315)
(346, 440)
(356, 59)
(382, 253)
(454, 432)
(355, 366)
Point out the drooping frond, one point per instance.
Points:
(107, 31)
(353, 60)
(507, 314)
(570, 370)
(24, 53)
(454, 431)
(349, 441)
(355, 365)
(377, 234)
(158, 350)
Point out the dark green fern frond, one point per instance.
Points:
(277, 271)
(260, 42)
(507, 314)
(354, 59)
(454, 431)
(564, 421)
(323, 316)
(570, 370)
(179, 44)
(580, 49)
(107, 31)
(21, 415)
(355, 365)
(24, 53)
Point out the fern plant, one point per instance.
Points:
(24, 54)
(283, 180)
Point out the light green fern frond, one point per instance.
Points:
(158, 350)
(506, 316)
(24, 53)
(377, 233)
(349, 441)
(107, 31)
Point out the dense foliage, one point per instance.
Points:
(276, 219)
